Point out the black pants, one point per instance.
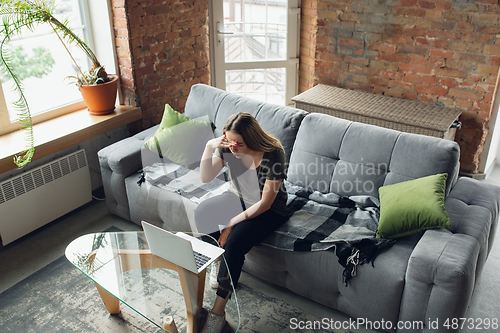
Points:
(218, 211)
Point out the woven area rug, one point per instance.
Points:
(59, 298)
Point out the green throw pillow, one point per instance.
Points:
(412, 206)
(180, 138)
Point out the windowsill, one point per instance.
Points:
(62, 132)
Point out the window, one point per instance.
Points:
(43, 65)
(255, 48)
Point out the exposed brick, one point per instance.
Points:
(395, 57)
(441, 53)
(409, 95)
(355, 60)
(434, 14)
(495, 60)
(423, 41)
(492, 49)
(378, 81)
(416, 68)
(457, 16)
(395, 92)
(493, 70)
(408, 3)
(429, 79)
(380, 47)
(488, 98)
(443, 25)
(419, 60)
(437, 62)
(443, 34)
(351, 42)
(441, 43)
(413, 78)
(428, 98)
(439, 91)
(391, 75)
(401, 84)
(383, 47)
(486, 88)
(411, 12)
(427, 4)
(449, 102)
(448, 82)
(463, 94)
(449, 72)
(486, 108)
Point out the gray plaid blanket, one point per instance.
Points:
(186, 182)
(317, 221)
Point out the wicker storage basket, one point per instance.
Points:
(399, 114)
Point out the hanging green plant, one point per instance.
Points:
(29, 14)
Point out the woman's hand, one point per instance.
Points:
(224, 234)
(210, 164)
(220, 142)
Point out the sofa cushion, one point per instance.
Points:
(365, 154)
(316, 151)
(232, 104)
(280, 121)
(416, 156)
(349, 158)
(412, 206)
(180, 138)
(340, 156)
(373, 294)
(204, 100)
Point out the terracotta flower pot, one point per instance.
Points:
(100, 98)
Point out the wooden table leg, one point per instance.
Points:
(169, 325)
(193, 287)
(111, 303)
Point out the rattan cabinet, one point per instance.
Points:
(390, 112)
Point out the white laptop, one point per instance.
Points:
(181, 249)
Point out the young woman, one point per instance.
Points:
(252, 208)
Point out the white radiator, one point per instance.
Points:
(41, 195)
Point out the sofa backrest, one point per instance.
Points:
(280, 121)
(349, 158)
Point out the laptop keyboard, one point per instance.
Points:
(200, 259)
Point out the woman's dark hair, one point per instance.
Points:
(244, 124)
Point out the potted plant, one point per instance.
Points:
(18, 15)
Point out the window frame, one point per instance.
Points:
(97, 16)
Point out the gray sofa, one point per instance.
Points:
(424, 277)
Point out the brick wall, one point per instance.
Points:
(444, 51)
(432, 51)
(308, 31)
(163, 49)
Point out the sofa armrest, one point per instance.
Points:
(446, 263)
(473, 208)
(118, 161)
(439, 279)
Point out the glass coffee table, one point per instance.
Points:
(123, 269)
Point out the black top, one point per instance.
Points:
(248, 184)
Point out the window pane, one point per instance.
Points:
(258, 30)
(42, 64)
(266, 84)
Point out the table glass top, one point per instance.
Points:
(116, 261)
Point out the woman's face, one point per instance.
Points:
(240, 149)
